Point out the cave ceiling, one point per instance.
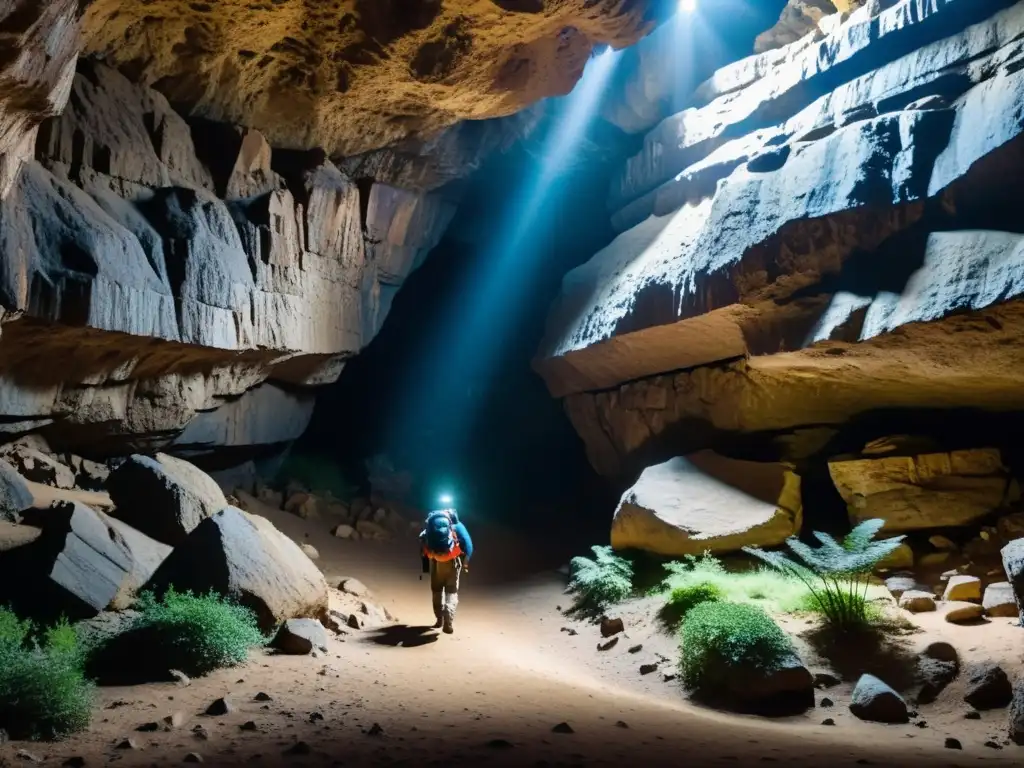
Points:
(352, 76)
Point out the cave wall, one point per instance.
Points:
(174, 283)
(827, 231)
(207, 209)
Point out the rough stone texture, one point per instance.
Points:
(75, 568)
(922, 492)
(786, 689)
(146, 554)
(874, 700)
(195, 283)
(810, 241)
(958, 612)
(37, 466)
(1013, 564)
(964, 588)
(706, 502)
(164, 497)
(988, 687)
(1016, 727)
(39, 42)
(917, 601)
(246, 558)
(998, 600)
(300, 636)
(801, 18)
(15, 496)
(937, 666)
(360, 74)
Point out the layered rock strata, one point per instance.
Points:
(825, 233)
(167, 283)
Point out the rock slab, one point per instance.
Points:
(246, 558)
(706, 502)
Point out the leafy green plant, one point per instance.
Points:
(722, 642)
(682, 600)
(44, 693)
(599, 583)
(764, 587)
(836, 574)
(197, 633)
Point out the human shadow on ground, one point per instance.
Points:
(404, 636)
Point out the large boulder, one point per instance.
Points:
(15, 496)
(164, 497)
(706, 502)
(246, 558)
(75, 568)
(1013, 564)
(924, 492)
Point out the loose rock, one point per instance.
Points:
(1016, 728)
(988, 687)
(962, 588)
(219, 707)
(300, 636)
(917, 602)
(611, 627)
(962, 613)
(874, 700)
(563, 728)
(999, 600)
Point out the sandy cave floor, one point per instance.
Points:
(492, 692)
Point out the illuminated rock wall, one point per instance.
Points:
(828, 231)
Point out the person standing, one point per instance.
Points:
(446, 549)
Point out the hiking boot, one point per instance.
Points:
(448, 629)
(439, 623)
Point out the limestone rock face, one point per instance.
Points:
(929, 491)
(246, 558)
(360, 74)
(195, 283)
(706, 502)
(817, 236)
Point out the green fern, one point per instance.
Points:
(836, 573)
(599, 583)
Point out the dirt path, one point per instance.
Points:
(490, 694)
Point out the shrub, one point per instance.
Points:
(764, 587)
(836, 573)
(182, 631)
(198, 634)
(598, 583)
(723, 641)
(44, 693)
(682, 599)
